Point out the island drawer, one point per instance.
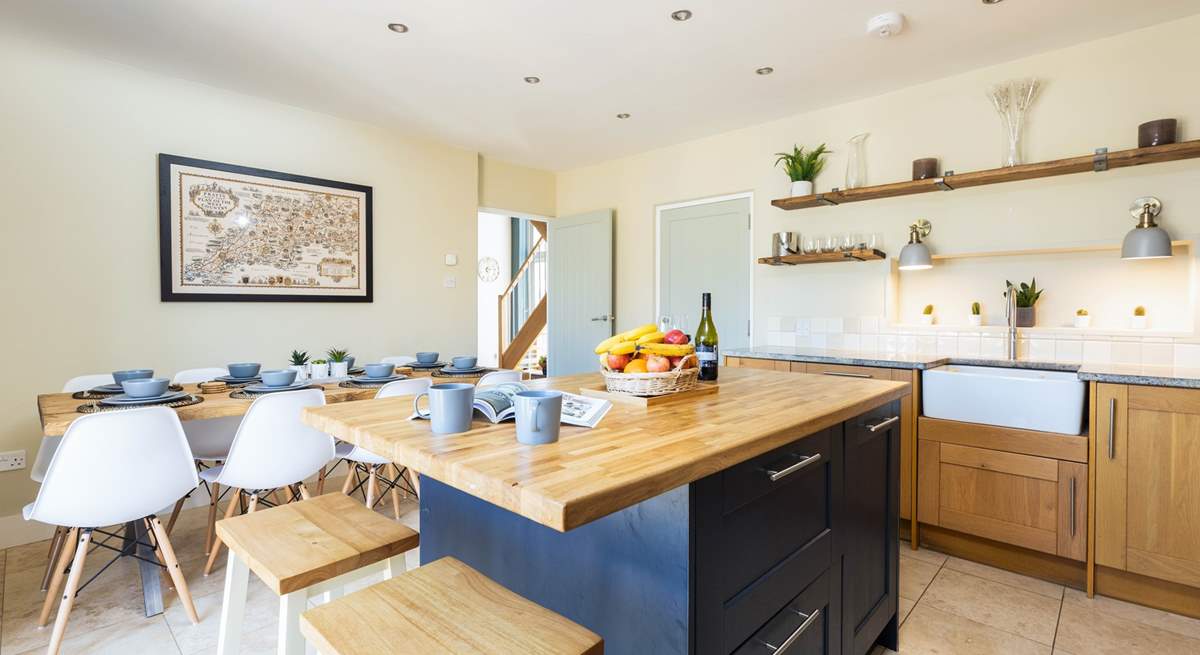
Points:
(802, 626)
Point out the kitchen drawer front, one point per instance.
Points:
(801, 627)
(750, 480)
(849, 371)
(758, 363)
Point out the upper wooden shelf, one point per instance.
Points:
(1100, 161)
(856, 255)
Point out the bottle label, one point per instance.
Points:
(706, 353)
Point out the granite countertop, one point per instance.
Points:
(1159, 376)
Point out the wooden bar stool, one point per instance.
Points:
(443, 607)
(302, 550)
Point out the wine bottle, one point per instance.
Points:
(706, 340)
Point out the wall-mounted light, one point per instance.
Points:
(1147, 240)
(915, 255)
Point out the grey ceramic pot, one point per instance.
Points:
(1026, 317)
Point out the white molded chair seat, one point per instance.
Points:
(197, 375)
(48, 445)
(370, 463)
(398, 360)
(209, 438)
(499, 377)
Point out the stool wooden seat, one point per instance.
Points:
(443, 607)
(301, 550)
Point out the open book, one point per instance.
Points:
(496, 402)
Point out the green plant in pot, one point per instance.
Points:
(803, 167)
(1139, 321)
(339, 362)
(299, 363)
(976, 315)
(1027, 296)
(927, 315)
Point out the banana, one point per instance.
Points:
(623, 348)
(633, 334)
(668, 349)
(604, 361)
(653, 337)
(603, 346)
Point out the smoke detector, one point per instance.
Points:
(885, 25)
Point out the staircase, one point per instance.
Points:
(523, 306)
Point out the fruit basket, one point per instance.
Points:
(647, 363)
(654, 384)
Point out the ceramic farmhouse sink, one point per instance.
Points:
(1049, 401)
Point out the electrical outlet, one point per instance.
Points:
(451, 259)
(449, 282)
(13, 460)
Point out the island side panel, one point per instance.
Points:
(624, 576)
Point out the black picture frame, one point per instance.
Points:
(165, 161)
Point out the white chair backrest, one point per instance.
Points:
(499, 377)
(398, 360)
(409, 387)
(85, 382)
(116, 467)
(274, 447)
(197, 375)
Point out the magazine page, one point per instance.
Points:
(496, 401)
(583, 411)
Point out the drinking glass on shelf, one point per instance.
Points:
(847, 242)
(809, 244)
(829, 243)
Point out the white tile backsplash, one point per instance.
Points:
(1158, 354)
(1097, 352)
(787, 324)
(968, 345)
(1187, 355)
(991, 347)
(834, 325)
(1126, 352)
(1041, 350)
(818, 325)
(1068, 350)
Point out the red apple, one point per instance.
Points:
(618, 362)
(676, 337)
(675, 362)
(658, 364)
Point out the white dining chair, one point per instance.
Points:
(209, 438)
(368, 469)
(499, 377)
(398, 360)
(273, 449)
(112, 468)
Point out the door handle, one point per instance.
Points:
(1072, 501)
(1112, 428)
(782, 649)
(883, 424)
(606, 317)
(846, 375)
(804, 463)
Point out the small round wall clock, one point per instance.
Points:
(489, 269)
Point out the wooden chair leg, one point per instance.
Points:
(321, 481)
(234, 503)
(414, 478)
(303, 491)
(70, 541)
(56, 547)
(372, 486)
(395, 493)
(167, 553)
(351, 474)
(175, 514)
(68, 597)
(214, 490)
(275, 497)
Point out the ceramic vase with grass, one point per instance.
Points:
(1082, 319)
(339, 362)
(975, 318)
(299, 364)
(318, 369)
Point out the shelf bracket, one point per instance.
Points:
(1100, 160)
(825, 201)
(942, 184)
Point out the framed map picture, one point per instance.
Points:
(231, 232)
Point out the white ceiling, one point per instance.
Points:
(456, 76)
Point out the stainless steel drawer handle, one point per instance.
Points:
(1112, 428)
(883, 424)
(846, 375)
(781, 649)
(800, 465)
(1072, 501)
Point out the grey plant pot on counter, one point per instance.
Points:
(1026, 317)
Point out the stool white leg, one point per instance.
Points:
(332, 594)
(395, 566)
(291, 642)
(233, 607)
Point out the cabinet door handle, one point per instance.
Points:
(883, 424)
(1072, 501)
(782, 649)
(1112, 428)
(776, 476)
(846, 375)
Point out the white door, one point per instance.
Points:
(579, 301)
(706, 247)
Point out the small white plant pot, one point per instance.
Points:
(802, 188)
(318, 371)
(301, 371)
(926, 319)
(339, 369)
(1083, 321)
(1138, 322)
(975, 319)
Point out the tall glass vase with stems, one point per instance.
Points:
(1012, 101)
(856, 161)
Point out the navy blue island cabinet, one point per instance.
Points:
(794, 551)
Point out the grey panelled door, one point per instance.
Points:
(707, 248)
(579, 301)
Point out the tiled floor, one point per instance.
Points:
(948, 606)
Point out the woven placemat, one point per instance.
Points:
(439, 373)
(94, 408)
(352, 384)
(242, 394)
(92, 394)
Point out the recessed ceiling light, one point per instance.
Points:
(399, 28)
(622, 116)
(992, 2)
(765, 70)
(533, 80)
(681, 15)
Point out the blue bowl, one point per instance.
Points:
(349, 361)
(244, 370)
(427, 358)
(281, 378)
(145, 387)
(464, 362)
(379, 370)
(132, 374)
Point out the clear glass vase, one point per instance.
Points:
(1014, 151)
(856, 162)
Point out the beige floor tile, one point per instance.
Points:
(993, 604)
(145, 635)
(1181, 625)
(906, 606)
(915, 576)
(929, 631)
(924, 554)
(1048, 589)
(262, 610)
(1086, 629)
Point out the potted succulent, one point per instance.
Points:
(1138, 322)
(318, 368)
(1027, 297)
(299, 364)
(339, 362)
(927, 315)
(976, 315)
(1082, 319)
(802, 167)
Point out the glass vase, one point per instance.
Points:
(1014, 151)
(856, 162)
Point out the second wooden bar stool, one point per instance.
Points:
(302, 550)
(443, 608)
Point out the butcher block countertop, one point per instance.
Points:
(634, 454)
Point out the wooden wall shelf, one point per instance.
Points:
(860, 255)
(1100, 161)
(1065, 250)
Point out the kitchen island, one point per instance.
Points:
(762, 515)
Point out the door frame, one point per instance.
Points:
(659, 209)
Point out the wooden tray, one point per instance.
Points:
(601, 391)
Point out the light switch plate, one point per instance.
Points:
(451, 260)
(13, 460)
(449, 282)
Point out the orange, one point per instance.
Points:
(636, 366)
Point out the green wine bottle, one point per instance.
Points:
(706, 340)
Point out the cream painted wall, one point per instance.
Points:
(78, 141)
(1095, 95)
(515, 188)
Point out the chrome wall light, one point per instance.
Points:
(1147, 240)
(915, 255)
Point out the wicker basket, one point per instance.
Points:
(654, 384)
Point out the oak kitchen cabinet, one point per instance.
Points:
(1148, 481)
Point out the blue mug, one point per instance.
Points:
(450, 407)
(539, 415)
